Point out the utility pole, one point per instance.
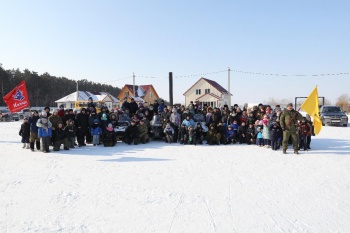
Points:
(77, 94)
(229, 92)
(171, 88)
(133, 84)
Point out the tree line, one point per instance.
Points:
(45, 89)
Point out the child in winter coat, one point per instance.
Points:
(266, 131)
(169, 133)
(235, 131)
(183, 134)
(259, 137)
(70, 130)
(250, 134)
(109, 137)
(24, 132)
(44, 132)
(304, 132)
(59, 137)
(199, 134)
(276, 132)
(229, 134)
(95, 131)
(191, 135)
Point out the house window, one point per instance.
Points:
(207, 91)
(198, 91)
(126, 93)
(150, 94)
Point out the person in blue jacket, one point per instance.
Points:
(96, 131)
(44, 132)
(188, 122)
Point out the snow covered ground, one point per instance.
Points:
(172, 188)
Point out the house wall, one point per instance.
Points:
(150, 98)
(192, 96)
(122, 93)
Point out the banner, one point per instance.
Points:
(311, 107)
(17, 99)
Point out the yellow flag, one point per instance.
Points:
(311, 107)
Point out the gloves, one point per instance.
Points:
(284, 129)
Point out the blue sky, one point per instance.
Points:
(104, 41)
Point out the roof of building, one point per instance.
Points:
(211, 82)
(211, 94)
(85, 95)
(140, 90)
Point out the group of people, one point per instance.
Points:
(260, 125)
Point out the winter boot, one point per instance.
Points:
(296, 152)
(24, 145)
(284, 151)
(32, 146)
(37, 145)
(28, 147)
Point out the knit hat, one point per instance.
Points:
(44, 114)
(54, 111)
(290, 104)
(95, 121)
(110, 125)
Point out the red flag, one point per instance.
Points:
(17, 99)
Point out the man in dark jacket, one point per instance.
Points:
(132, 133)
(33, 118)
(82, 123)
(133, 107)
(242, 133)
(59, 137)
(289, 123)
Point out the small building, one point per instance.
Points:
(208, 92)
(143, 93)
(98, 97)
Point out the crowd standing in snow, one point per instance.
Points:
(194, 124)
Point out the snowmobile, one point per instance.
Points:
(123, 123)
(156, 127)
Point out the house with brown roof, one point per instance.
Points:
(208, 92)
(143, 93)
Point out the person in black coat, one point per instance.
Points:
(108, 136)
(242, 133)
(133, 107)
(24, 132)
(132, 133)
(60, 138)
(250, 134)
(33, 118)
(276, 135)
(82, 123)
(70, 130)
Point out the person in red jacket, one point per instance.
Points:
(61, 111)
(304, 132)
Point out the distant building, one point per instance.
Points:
(143, 93)
(208, 92)
(101, 97)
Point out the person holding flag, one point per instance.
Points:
(289, 124)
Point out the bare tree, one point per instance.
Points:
(343, 102)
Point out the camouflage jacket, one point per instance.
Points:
(292, 118)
